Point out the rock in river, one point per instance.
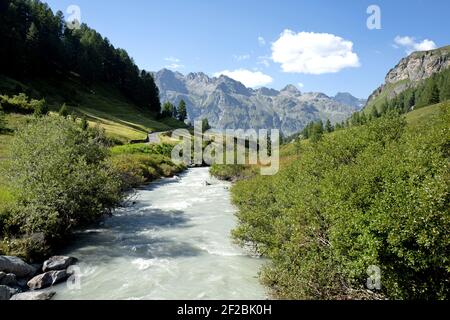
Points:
(58, 263)
(33, 295)
(16, 265)
(47, 279)
(6, 292)
(8, 279)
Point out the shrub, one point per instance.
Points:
(136, 169)
(40, 107)
(22, 104)
(231, 172)
(61, 178)
(376, 194)
(164, 149)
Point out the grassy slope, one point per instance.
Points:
(386, 94)
(102, 104)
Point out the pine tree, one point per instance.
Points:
(374, 113)
(174, 112)
(434, 94)
(167, 110)
(182, 112)
(205, 125)
(316, 131)
(445, 87)
(328, 126)
(32, 37)
(411, 102)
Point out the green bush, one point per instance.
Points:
(164, 149)
(61, 179)
(22, 104)
(136, 169)
(231, 172)
(376, 194)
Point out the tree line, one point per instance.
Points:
(37, 43)
(169, 110)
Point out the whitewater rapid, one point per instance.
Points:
(172, 241)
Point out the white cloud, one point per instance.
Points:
(242, 57)
(313, 53)
(261, 41)
(174, 63)
(300, 85)
(249, 78)
(410, 44)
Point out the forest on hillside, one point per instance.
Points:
(37, 44)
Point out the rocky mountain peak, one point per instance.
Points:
(420, 65)
(412, 69)
(198, 76)
(348, 99)
(291, 89)
(267, 92)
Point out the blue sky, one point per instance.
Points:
(316, 53)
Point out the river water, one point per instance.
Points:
(172, 243)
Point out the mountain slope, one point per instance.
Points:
(409, 73)
(229, 104)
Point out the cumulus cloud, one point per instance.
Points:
(261, 41)
(249, 78)
(313, 53)
(410, 44)
(300, 85)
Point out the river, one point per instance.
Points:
(173, 242)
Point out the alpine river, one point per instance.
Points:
(171, 242)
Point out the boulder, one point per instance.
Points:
(33, 295)
(58, 263)
(16, 265)
(8, 279)
(47, 279)
(6, 292)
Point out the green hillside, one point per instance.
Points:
(372, 194)
(101, 104)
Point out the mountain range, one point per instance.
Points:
(228, 104)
